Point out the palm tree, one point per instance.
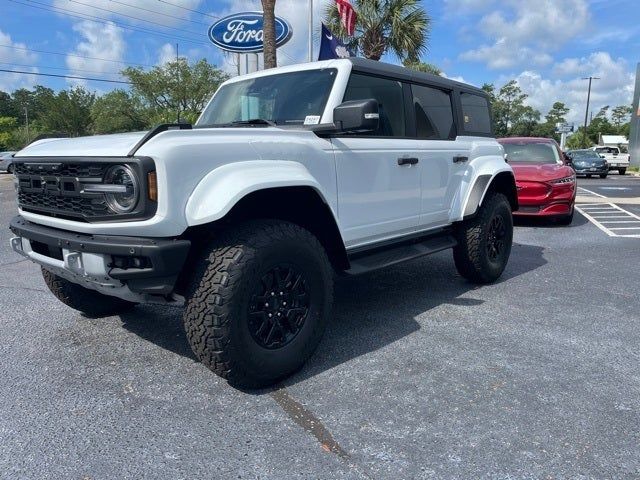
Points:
(269, 26)
(400, 26)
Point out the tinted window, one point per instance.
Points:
(390, 99)
(531, 153)
(583, 154)
(287, 98)
(475, 111)
(434, 114)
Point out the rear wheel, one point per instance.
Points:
(259, 303)
(622, 171)
(484, 242)
(89, 302)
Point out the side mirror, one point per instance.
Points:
(506, 158)
(567, 159)
(602, 156)
(357, 116)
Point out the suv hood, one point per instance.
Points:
(117, 145)
(540, 172)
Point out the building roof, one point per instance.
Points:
(613, 140)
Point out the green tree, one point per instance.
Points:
(118, 111)
(557, 114)
(68, 112)
(620, 114)
(8, 108)
(7, 125)
(508, 109)
(423, 67)
(175, 88)
(398, 26)
(578, 140)
(269, 33)
(527, 122)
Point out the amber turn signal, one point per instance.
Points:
(152, 184)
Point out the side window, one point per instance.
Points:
(434, 114)
(475, 112)
(390, 99)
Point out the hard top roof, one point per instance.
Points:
(402, 73)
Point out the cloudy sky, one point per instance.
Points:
(546, 45)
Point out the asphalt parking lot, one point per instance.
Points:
(420, 375)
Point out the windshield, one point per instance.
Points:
(583, 154)
(296, 98)
(607, 150)
(531, 153)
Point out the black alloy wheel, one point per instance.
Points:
(278, 307)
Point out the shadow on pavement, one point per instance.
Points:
(370, 311)
(539, 222)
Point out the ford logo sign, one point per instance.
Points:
(243, 32)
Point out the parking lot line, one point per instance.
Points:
(602, 215)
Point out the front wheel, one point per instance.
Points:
(259, 302)
(603, 175)
(484, 242)
(622, 171)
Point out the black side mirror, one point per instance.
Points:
(357, 116)
(567, 159)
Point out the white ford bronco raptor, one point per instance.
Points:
(289, 177)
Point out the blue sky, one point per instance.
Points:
(546, 45)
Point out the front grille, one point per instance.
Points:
(56, 187)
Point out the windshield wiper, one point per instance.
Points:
(254, 121)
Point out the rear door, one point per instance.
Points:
(378, 173)
(443, 157)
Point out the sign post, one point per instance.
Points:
(563, 129)
(634, 134)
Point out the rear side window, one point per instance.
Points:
(475, 113)
(434, 114)
(390, 99)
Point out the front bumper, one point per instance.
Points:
(132, 268)
(592, 170)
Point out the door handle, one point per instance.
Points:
(407, 161)
(460, 159)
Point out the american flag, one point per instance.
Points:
(347, 15)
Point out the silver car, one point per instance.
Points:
(6, 160)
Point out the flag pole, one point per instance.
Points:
(311, 30)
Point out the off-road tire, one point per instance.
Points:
(91, 303)
(622, 171)
(221, 294)
(471, 255)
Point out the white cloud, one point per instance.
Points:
(615, 86)
(104, 43)
(525, 31)
(166, 54)
(151, 10)
(16, 59)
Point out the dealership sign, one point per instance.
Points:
(243, 32)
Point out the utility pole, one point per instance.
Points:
(586, 113)
(178, 80)
(311, 30)
(26, 116)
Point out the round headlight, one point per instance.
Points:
(124, 179)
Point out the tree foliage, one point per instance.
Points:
(175, 89)
(397, 26)
(423, 67)
(119, 111)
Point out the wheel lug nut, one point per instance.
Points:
(270, 315)
(273, 293)
(266, 304)
(284, 303)
(281, 293)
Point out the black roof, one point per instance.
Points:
(365, 65)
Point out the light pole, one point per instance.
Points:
(310, 19)
(586, 113)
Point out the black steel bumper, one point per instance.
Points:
(163, 258)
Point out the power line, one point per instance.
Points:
(74, 55)
(64, 76)
(59, 68)
(84, 16)
(134, 18)
(158, 13)
(189, 9)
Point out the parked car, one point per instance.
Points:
(588, 163)
(615, 158)
(290, 175)
(6, 160)
(546, 183)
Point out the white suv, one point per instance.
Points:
(290, 176)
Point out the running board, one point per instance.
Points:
(380, 258)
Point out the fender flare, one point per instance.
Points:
(222, 188)
(480, 188)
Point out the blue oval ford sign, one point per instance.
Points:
(242, 32)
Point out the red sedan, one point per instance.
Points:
(546, 184)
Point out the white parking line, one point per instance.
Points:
(603, 214)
